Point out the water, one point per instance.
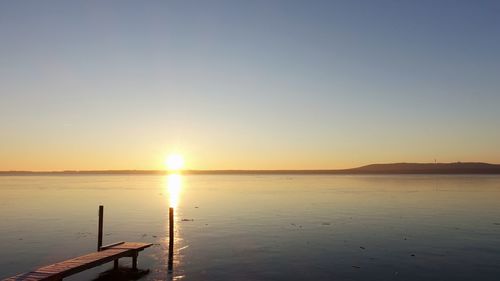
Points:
(277, 227)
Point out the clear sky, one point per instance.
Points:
(247, 84)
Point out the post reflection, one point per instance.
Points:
(174, 187)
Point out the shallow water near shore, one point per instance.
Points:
(270, 227)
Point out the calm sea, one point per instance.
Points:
(273, 227)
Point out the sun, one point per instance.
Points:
(174, 162)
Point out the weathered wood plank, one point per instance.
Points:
(33, 276)
(111, 245)
(131, 245)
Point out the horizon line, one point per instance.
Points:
(404, 167)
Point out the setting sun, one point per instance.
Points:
(174, 162)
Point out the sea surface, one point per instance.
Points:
(260, 227)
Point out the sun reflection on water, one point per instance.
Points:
(174, 186)
(174, 258)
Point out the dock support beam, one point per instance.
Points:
(99, 231)
(134, 261)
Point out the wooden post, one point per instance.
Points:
(115, 265)
(134, 260)
(171, 239)
(99, 233)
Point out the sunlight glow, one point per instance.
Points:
(174, 185)
(174, 162)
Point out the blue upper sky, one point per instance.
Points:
(248, 84)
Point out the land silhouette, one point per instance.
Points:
(392, 168)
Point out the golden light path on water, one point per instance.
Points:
(174, 164)
(174, 188)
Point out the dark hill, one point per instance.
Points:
(430, 168)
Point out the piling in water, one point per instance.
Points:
(99, 232)
(170, 239)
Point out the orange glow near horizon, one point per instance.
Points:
(144, 157)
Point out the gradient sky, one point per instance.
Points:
(247, 84)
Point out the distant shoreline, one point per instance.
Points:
(373, 169)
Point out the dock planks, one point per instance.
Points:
(60, 270)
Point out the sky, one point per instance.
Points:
(88, 85)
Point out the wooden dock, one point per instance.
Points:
(60, 270)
